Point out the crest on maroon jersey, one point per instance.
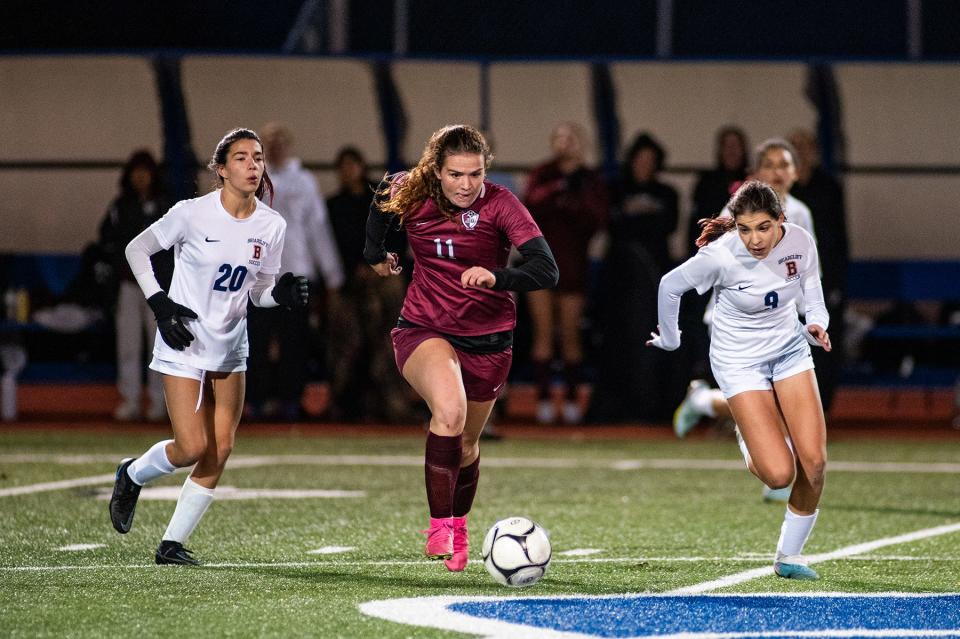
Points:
(470, 219)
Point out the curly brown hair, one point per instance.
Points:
(751, 197)
(402, 196)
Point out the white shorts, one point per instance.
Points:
(733, 381)
(192, 372)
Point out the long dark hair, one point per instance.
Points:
(751, 197)
(219, 158)
(422, 182)
(141, 158)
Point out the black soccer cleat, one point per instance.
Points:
(123, 503)
(173, 552)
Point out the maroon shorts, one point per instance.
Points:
(484, 374)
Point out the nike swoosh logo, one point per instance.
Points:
(743, 288)
(209, 240)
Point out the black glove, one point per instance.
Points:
(169, 314)
(291, 291)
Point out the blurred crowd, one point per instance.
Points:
(613, 238)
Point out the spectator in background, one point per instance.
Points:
(824, 195)
(711, 193)
(715, 186)
(279, 339)
(141, 203)
(569, 203)
(363, 384)
(636, 383)
(646, 209)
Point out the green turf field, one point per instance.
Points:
(660, 516)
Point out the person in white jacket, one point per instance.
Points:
(227, 247)
(278, 340)
(759, 267)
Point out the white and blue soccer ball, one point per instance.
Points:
(516, 552)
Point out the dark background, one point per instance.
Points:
(721, 29)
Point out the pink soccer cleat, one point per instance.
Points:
(461, 546)
(439, 538)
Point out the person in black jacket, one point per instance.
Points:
(140, 203)
(823, 193)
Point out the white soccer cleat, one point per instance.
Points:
(686, 416)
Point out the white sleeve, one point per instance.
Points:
(700, 271)
(815, 309)
(262, 289)
(172, 228)
(261, 293)
(324, 246)
(138, 254)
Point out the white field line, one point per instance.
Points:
(257, 461)
(427, 564)
(847, 551)
(248, 461)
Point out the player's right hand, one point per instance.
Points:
(170, 316)
(657, 340)
(389, 266)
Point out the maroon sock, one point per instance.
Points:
(573, 374)
(442, 464)
(466, 488)
(542, 376)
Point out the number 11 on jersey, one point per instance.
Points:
(440, 244)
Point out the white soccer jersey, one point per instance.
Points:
(755, 318)
(217, 258)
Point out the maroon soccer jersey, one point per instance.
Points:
(443, 249)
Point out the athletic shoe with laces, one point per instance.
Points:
(461, 546)
(173, 553)
(686, 416)
(439, 538)
(794, 567)
(123, 502)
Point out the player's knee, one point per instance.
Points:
(778, 477)
(450, 416)
(189, 452)
(815, 468)
(223, 452)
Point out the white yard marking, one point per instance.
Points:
(428, 565)
(331, 550)
(172, 493)
(76, 547)
(57, 485)
(257, 461)
(848, 551)
(579, 552)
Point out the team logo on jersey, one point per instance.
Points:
(258, 246)
(790, 262)
(470, 219)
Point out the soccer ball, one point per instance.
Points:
(516, 552)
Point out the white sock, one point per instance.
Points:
(191, 505)
(152, 464)
(794, 533)
(702, 400)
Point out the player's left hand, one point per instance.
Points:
(477, 277)
(819, 334)
(291, 291)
